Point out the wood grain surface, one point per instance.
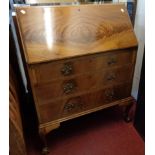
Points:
(81, 84)
(16, 136)
(48, 1)
(45, 72)
(60, 109)
(80, 59)
(57, 32)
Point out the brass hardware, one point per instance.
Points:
(112, 61)
(109, 93)
(111, 77)
(67, 69)
(68, 107)
(73, 105)
(69, 87)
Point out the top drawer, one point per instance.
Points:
(46, 72)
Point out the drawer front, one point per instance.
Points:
(46, 72)
(67, 107)
(83, 83)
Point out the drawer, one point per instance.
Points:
(46, 72)
(83, 83)
(67, 107)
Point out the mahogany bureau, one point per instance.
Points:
(80, 59)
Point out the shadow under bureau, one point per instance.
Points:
(80, 59)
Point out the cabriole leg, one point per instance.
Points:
(127, 116)
(42, 134)
(43, 131)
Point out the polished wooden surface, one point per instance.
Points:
(80, 59)
(77, 104)
(16, 137)
(49, 126)
(58, 32)
(45, 72)
(81, 84)
(48, 1)
(97, 74)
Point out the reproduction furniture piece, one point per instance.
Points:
(80, 59)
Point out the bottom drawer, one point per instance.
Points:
(67, 107)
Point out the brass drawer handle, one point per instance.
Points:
(69, 107)
(74, 104)
(110, 94)
(112, 61)
(111, 77)
(67, 69)
(69, 87)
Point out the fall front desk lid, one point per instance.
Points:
(58, 32)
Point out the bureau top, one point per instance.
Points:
(58, 32)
